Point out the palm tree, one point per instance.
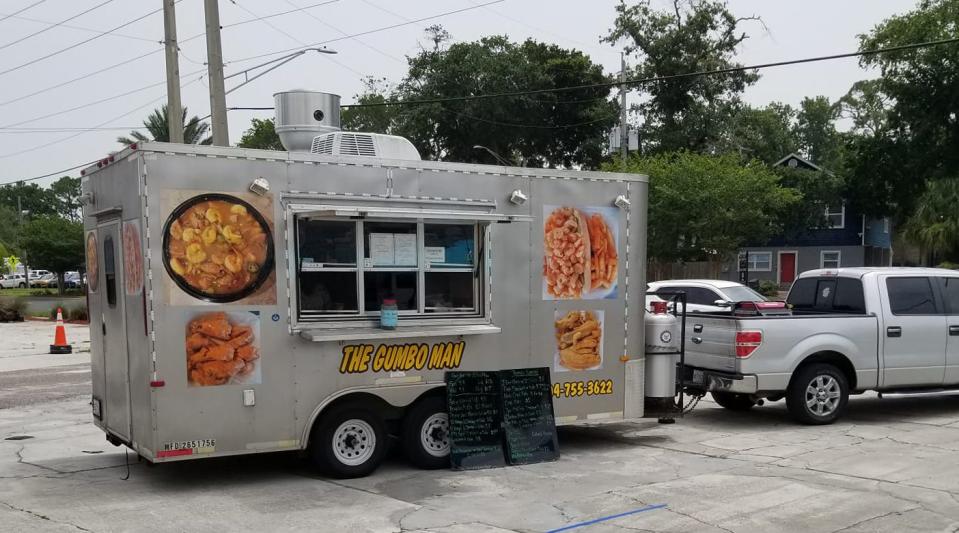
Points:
(193, 131)
(935, 223)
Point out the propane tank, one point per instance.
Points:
(662, 351)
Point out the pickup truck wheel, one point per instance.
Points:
(734, 401)
(426, 438)
(818, 394)
(349, 442)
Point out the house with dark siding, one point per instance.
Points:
(849, 239)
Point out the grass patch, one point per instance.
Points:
(41, 293)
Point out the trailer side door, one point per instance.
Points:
(112, 332)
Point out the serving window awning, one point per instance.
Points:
(380, 212)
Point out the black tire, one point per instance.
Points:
(344, 431)
(426, 434)
(734, 401)
(818, 394)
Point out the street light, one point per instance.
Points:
(496, 156)
(279, 62)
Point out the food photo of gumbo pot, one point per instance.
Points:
(217, 247)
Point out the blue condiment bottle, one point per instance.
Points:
(389, 315)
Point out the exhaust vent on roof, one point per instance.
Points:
(342, 143)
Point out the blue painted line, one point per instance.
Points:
(605, 518)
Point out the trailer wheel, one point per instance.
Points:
(817, 394)
(426, 434)
(734, 401)
(349, 442)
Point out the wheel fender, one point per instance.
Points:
(819, 343)
(396, 396)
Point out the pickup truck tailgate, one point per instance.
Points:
(711, 343)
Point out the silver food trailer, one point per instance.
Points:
(235, 295)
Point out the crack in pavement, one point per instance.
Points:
(859, 523)
(43, 517)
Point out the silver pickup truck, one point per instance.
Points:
(851, 330)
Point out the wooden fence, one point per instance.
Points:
(657, 271)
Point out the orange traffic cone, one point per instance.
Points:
(60, 345)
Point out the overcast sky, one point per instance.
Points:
(793, 30)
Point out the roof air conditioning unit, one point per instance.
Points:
(346, 143)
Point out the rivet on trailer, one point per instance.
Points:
(236, 294)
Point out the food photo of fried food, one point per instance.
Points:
(93, 264)
(604, 262)
(217, 248)
(221, 348)
(566, 253)
(579, 340)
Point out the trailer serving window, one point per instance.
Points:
(348, 264)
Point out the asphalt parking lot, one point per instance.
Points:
(890, 465)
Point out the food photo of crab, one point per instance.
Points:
(223, 348)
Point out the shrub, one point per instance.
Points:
(79, 314)
(11, 309)
(42, 292)
(768, 288)
(948, 264)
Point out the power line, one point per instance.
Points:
(139, 57)
(17, 12)
(640, 81)
(80, 28)
(259, 18)
(78, 15)
(375, 30)
(341, 32)
(83, 42)
(65, 129)
(61, 171)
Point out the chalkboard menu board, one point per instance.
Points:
(501, 417)
(476, 434)
(528, 422)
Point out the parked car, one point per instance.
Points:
(72, 280)
(46, 281)
(13, 281)
(851, 330)
(706, 295)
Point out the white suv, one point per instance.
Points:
(13, 281)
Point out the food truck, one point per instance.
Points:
(235, 294)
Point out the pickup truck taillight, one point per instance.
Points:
(747, 342)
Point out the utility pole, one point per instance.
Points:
(26, 269)
(623, 130)
(214, 59)
(173, 106)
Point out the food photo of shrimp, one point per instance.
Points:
(132, 258)
(580, 258)
(223, 348)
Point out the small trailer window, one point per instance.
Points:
(348, 267)
(110, 270)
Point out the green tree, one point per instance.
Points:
(8, 229)
(157, 125)
(55, 243)
(815, 130)
(762, 133)
(692, 112)
(377, 119)
(935, 223)
(66, 193)
(34, 199)
(549, 129)
(867, 107)
(261, 135)
(815, 190)
(705, 207)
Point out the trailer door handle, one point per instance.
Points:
(954, 331)
(697, 340)
(698, 328)
(894, 331)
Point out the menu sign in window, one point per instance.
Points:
(499, 418)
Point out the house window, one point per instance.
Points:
(829, 259)
(885, 225)
(347, 267)
(760, 261)
(836, 218)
